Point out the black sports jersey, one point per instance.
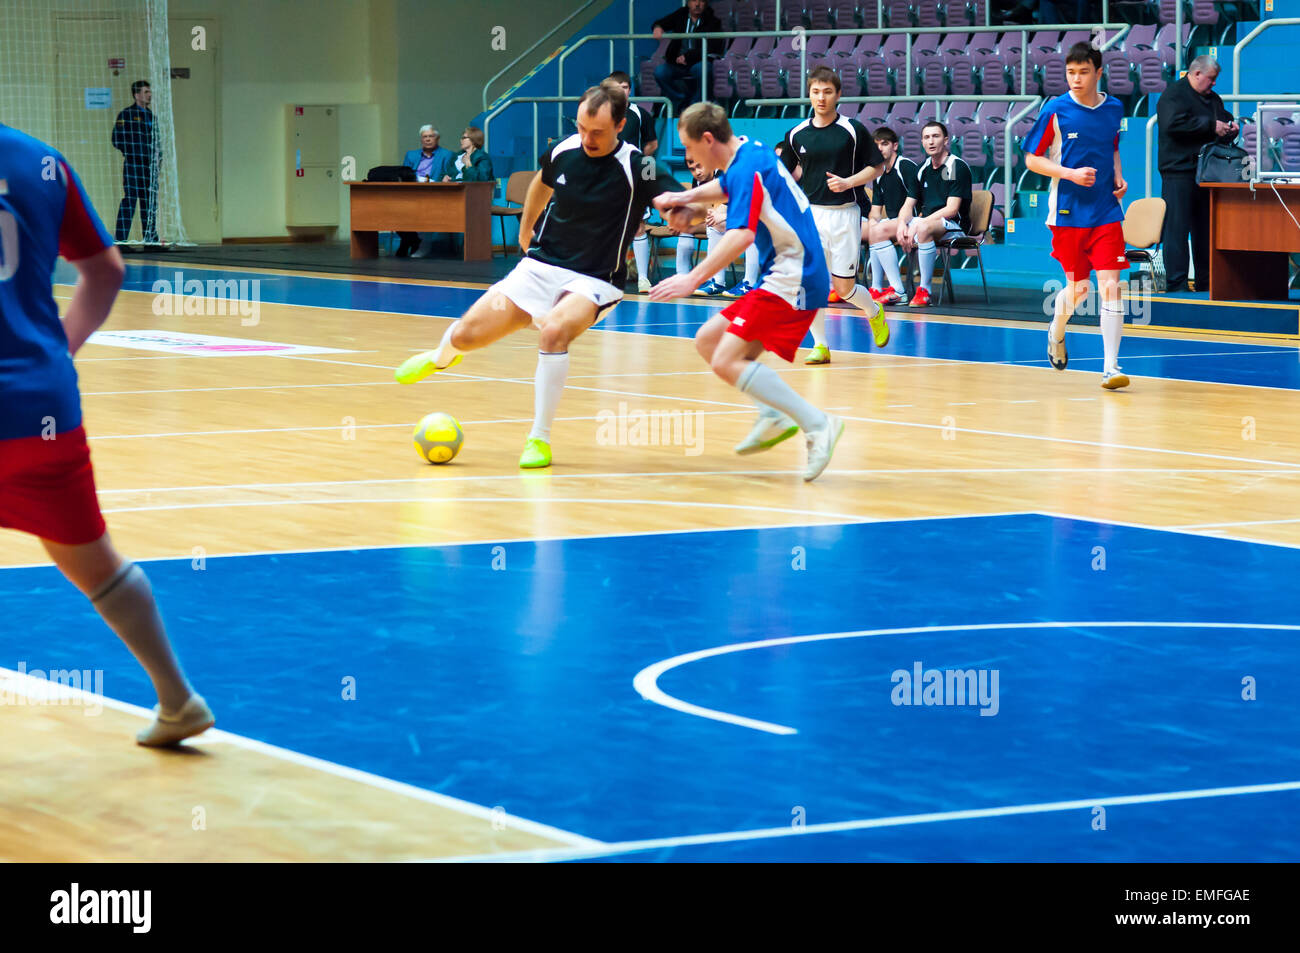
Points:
(598, 203)
(637, 126)
(843, 148)
(936, 186)
(896, 186)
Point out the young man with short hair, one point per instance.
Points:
(944, 189)
(579, 215)
(764, 206)
(893, 200)
(1075, 143)
(838, 157)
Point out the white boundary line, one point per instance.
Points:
(623, 847)
(646, 682)
(1164, 529)
(40, 689)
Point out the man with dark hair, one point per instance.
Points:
(764, 205)
(838, 157)
(639, 132)
(134, 136)
(683, 66)
(1075, 143)
(578, 218)
(944, 189)
(893, 200)
(1190, 115)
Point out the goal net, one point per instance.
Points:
(67, 69)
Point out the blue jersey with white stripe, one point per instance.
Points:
(44, 212)
(763, 197)
(1078, 136)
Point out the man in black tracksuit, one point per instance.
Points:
(1190, 115)
(134, 137)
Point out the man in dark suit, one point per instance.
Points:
(134, 136)
(1189, 115)
(683, 64)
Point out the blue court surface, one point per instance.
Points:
(1257, 365)
(548, 678)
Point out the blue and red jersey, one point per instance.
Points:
(44, 213)
(1078, 136)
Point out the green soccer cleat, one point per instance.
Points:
(421, 366)
(537, 454)
(879, 326)
(768, 431)
(821, 354)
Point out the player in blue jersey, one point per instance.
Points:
(47, 486)
(1076, 144)
(767, 207)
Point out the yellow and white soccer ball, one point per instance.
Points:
(438, 438)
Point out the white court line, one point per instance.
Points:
(1262, 350)
(1165, 529)
(40, 689)
(646, 681)
(1081, 804)
(533, 540)
(492, 499)
(1240, 523)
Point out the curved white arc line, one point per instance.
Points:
(646, 681)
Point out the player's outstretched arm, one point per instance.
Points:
(732, 246)
(539, 193)
(706, 194)
(99, 280)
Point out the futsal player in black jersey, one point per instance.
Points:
(639, 132)
(580, 213)
(837, 156)
(893, 202)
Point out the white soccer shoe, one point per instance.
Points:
(821, 445)
(195, 717)
(769, 430)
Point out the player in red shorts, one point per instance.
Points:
(1076, 143)
(764, 206)
(47, 486)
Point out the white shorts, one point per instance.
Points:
(951, 229)
(536, 287)
(840, 228)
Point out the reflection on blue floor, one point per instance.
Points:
(1209, 361)
(513, 686)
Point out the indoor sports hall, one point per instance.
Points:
(1018, 618)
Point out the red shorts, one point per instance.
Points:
(47, 488)
(762, 316)
(1084, 250)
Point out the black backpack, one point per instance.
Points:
(391, 173)
(1220, 163)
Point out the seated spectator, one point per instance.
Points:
(682, 71)
(473, 164)
(893, 200)
(431, 163)
(944, 190)
(715, 226)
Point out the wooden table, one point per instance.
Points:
(422, 207)
(1251, 239)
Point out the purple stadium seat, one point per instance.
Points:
(1071, 37)
(743, 16)
(982, 46)
(894, 50)
(877, 75)
(1043, 46)
(927, 13)
(849, 79)
(999, 191)
(1030, 85)
(740, 47)
(900, 114)
(954, 43)
(818, 46)
(870, 43)
(961, 115)
(762, 48)
(868, 14)
(925, 47)
(909, 140)
(1141, 37)
(743, 76)
(993, 78)
(1054, 83)
(843, 45)
(1119, 79)
(725, 9)
(899, 14)
(770, 85)
(961, 74)
(1167, 11)
(818, 14)
(934, 79)
(1165, 44)
(873, 114)
(765, 14)
(785, 48)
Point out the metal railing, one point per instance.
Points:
(1121, 30)
(555, 29)
(536, 100)
(1031, 102)
(1257, 98)
(1246, 41)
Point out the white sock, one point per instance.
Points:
(1112, 326)
(861, 299)
(764, 384)
(552, 370)
(928, 255)
(1061, 311)
(641, 252)
(685, 252)
(446, 350)
(715, 236)
(819, 328)
(886, 259)
(126, 603)
(751, 265)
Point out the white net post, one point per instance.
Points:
(66, 72)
